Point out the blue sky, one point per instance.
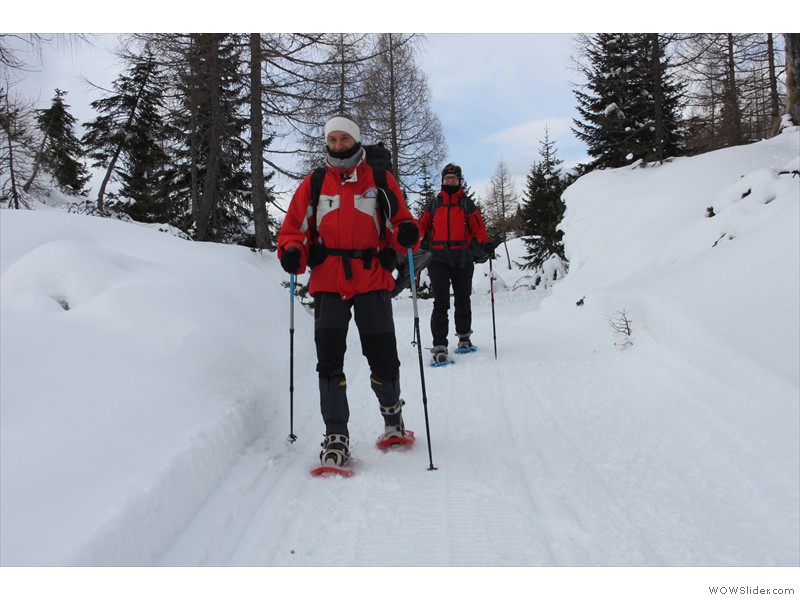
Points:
(495, 93)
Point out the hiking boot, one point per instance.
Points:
(335, 450)
(393, 415)
(389, 401)
(439, 354)
(393, 431)
(393, 420)
(464, 342)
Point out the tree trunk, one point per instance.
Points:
(259, 198)
(793, 76)
(732, 98)
(36, 163)
(209, 195)
(393, 109)
(8, 126)
(658, 96)
(775, 108)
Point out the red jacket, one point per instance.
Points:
(447, 227)
(347, 218)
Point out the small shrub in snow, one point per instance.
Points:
(621, 325)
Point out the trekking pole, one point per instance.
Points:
(491, 289)
(292, 436)
(419, 352)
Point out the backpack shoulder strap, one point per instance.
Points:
(468, 204)
(387, 202)
(379, 173)
(433, 204)
(431, 207)
(468, 207)
(317, 177)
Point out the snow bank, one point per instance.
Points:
(639, 239)
(135, 369)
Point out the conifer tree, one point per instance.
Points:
(226, 92)
(543, 209)
(126, 137)
(145, 171)
(427, 192)
(631, 109)
(215, 156)
(60, 150)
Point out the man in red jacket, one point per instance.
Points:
(358, 230)
(451, 222)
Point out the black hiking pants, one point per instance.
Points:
(375, 322)
(442, 275)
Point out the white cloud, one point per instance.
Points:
(530, 134)
(511, 64)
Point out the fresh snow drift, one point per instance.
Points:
(145, 394)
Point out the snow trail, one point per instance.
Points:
(574, 453)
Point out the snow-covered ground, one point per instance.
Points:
(144, 405)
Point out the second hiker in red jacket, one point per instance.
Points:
(350, 242)
(452, 223)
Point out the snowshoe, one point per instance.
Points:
(442, 364)
(335, 456)
(439, 356)
(328, 470)
(394, 436)
(464, 344)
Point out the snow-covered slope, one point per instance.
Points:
(144, 397)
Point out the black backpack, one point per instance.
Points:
(380, 159)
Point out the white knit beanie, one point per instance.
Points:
(343, 124)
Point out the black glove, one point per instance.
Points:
(407, 234)
(489, 249)
(388, 258)
(316, 255)
(290, 260)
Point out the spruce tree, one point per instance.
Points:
(126, 139)
(426, 194)
(144, 172)
(543, 209)
(214, 158)
(631, 109)
(662, 132)
(60, 151)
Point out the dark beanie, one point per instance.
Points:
(452, 169)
